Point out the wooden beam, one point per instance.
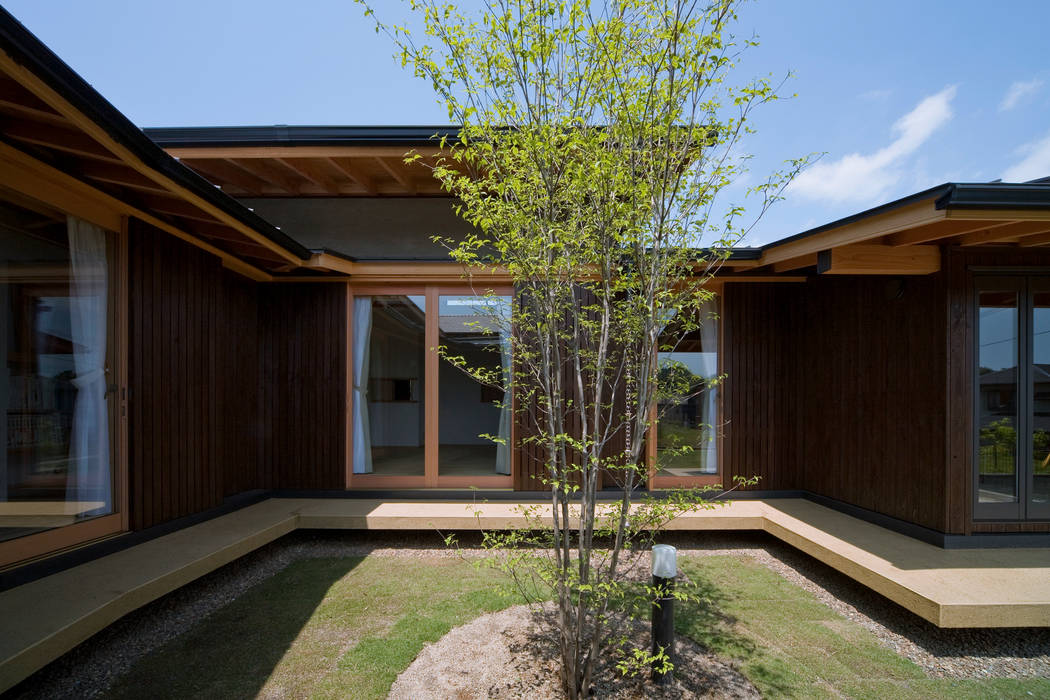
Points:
(347, 167)
(807, 260)
(58, 138)
(399, 176)
(866, 229)
(760, 278)
(1005, 233)
(224, 172)
(939, 230)
(866, 259)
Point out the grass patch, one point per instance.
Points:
(346, 627)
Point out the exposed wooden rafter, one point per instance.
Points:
(867, 259)
(348, 168)
(1007, 232)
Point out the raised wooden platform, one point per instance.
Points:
(950, 588)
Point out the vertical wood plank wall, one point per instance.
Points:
(192, 330)
(234, 386)
(302, 385)
(838, 386)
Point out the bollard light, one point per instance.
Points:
(665, 569)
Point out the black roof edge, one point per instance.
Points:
(25, 48)
(950, 195)
(283, 135)
(997, 195)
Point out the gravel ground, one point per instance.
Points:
(90, 668)
(510, 655)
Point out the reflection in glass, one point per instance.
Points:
(997, 415)
(55, 467)
(1041, 397)
(388, 362)
(475, 328)
(689, 416)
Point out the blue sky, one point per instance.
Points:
(899, 95)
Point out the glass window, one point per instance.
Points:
(388, 368)
(56, 310)
(476, 329)
(687, 410)
(997, 379)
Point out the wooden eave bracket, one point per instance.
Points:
(868, 259)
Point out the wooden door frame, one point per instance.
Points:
(68, 536)
(431, 477)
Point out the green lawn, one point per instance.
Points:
(336, 628)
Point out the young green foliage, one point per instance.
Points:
(594, 140)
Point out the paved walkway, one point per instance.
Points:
(951, 588)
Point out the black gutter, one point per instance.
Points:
(282, 135)
(997, 195)
(27, 50)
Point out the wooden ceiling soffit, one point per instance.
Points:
(1008, 232)
(25, 173)
(940, 230)
(807, 260)
(870, 259)
(863, 230)
(347, 167)
(256, 152)
(57, 138)
(1036, 240)
(93, 141)
(228, 171)
(280, 176)
(397, 174)
(16, 99)
(121, 175)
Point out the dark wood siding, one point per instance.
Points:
(192, 329)
(302, 385)
(837, 386)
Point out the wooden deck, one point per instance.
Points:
(950, 588)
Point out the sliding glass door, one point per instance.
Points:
(418, 419)
(1012, 398)
(58, 320)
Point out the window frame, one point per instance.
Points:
(431, 477)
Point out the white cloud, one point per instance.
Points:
(1017, 92)
(863, 177)
(1034, 164)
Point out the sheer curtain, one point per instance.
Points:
(709, 399)
(89, 472)
(362, 342)
(503, 447)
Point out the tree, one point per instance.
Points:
(595, 139)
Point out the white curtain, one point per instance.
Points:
(362, 427)
(709, 399)
(89, 471)
(503, 447)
